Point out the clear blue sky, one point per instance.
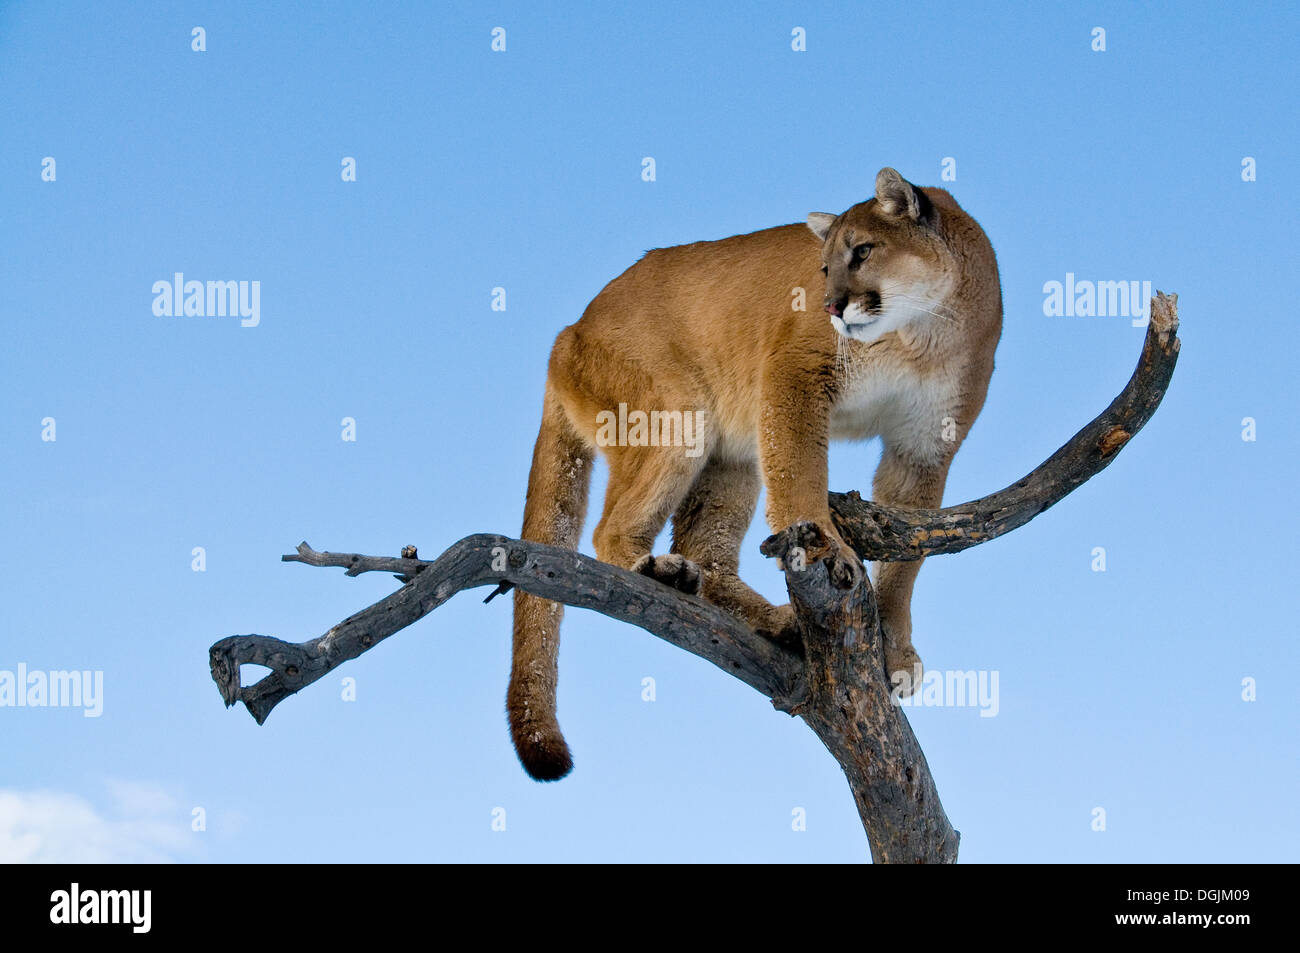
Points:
(1119, 689)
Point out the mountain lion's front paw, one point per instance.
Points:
(807, 542)
(843, 564)
(672, 570)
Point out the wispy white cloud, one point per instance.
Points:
(144, 824)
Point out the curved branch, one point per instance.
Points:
(562, 575)
(894, 533)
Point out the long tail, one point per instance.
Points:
(557, 505)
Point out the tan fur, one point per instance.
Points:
(906, 355)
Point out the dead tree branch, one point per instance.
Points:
(847, 702)
(561, 575)
(837, 683)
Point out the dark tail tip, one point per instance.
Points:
(536, 735)
(548, 760)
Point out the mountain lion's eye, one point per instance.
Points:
(824, 271)
(862, 252)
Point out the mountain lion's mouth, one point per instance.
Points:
(856, 328)
(863, 310)
(862, 313)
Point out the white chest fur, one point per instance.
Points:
(911, 410)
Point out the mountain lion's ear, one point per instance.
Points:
(819, 223)
(899, 197)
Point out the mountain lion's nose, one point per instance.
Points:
(836, 307)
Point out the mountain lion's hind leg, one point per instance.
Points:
(645, 485)
(708, 529)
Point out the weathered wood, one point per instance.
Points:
(848, 704)
(561, 575)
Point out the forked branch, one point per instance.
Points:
(561, 575)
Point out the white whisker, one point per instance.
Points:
(920, 304)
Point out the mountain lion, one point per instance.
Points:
(716, 332)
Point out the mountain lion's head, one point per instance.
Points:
(885, 260)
